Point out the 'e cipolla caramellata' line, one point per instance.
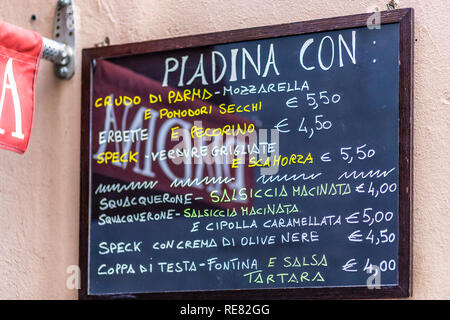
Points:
(288, 222)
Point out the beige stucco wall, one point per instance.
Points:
(39, 191)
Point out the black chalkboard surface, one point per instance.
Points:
(272, 162)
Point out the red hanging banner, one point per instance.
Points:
(20, 54)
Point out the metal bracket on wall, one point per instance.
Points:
(61, 50)
(392, 5)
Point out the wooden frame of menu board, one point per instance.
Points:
(404, 17)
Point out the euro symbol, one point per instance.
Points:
(292, 103)
(355, 236)
(353, 218)
(281, 124)
(349, 265)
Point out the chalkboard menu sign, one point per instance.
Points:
(272, 162)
